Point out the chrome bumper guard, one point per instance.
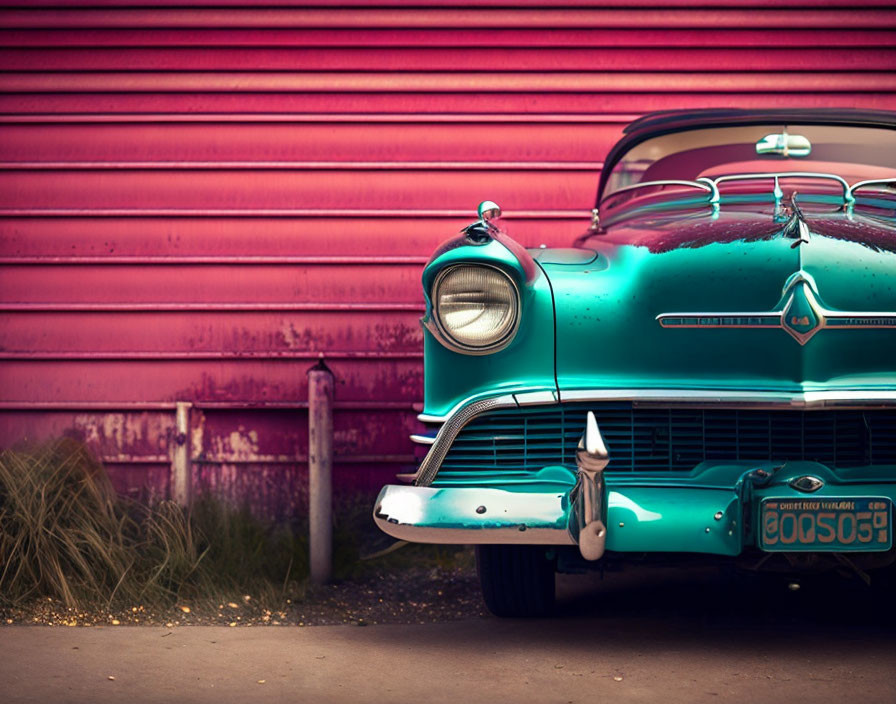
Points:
(461, 515)
(588, 520)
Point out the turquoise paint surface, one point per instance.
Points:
(608, 337)
(652, 519)
(601, 312)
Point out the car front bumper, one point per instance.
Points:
(639, 519)
(714, 509)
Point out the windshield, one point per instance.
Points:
(852, 153)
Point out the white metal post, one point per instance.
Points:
(181, 479)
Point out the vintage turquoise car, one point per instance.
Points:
(709, 371)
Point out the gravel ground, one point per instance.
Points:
(419, 587)
(407, 595)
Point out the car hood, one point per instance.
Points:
(675, 302)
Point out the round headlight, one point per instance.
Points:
(476, 307)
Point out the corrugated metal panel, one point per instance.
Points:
(198, 200)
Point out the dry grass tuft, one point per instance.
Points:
(62, 532)
(66, 535)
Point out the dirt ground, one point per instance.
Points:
(643, 635)
(405, 595)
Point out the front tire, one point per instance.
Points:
(516, 580)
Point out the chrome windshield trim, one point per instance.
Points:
(783, 174)
(466, 411)
(704, 184)
(871, 182)
(711, 185)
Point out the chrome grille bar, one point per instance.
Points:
(672, 439)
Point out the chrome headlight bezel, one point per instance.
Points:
(443, 332)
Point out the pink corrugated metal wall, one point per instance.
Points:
(198, 200)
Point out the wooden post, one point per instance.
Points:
(320, 471)
(181, 474)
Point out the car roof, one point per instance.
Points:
(663, 122)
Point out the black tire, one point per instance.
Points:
(516, 580)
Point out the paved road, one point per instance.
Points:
(656, 636)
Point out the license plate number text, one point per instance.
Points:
(826, 524)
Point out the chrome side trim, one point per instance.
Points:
(525, 398)
(802, 329)
(466, 411)
(473, 515)
(422, 439)
(863, 398)
(429, 418)
(535, 398)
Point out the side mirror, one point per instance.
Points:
(784, 144)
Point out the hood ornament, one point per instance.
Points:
(795, 228)
(799, 313)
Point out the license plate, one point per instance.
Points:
(826, 524)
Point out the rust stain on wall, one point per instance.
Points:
(123, 436)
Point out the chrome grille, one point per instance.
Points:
(673, 439)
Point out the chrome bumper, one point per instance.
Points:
(637, 518)
(425, 514)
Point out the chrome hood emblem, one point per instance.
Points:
(799, 313)
(806, 484)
